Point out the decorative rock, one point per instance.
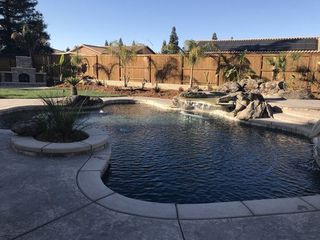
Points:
(248, 105)
(246, 114)
(193, 94)
(27, 128)
(231, 87)
(84, 101)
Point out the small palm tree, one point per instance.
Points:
(73, 83)
(125, 56)
(76, 62)
(236, 67)
(279, 64)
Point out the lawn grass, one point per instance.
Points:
(32, 93)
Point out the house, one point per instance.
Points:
(57, 52)
(270, 45)
(92, 50)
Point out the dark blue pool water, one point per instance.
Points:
(169, 157)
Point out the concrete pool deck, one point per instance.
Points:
(41, 199)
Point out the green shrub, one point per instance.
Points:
(60, 122)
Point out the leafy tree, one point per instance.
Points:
(106, 43)
(14, 16)
(236, 67)
(125, 56)
(133, 43)
(67, 49)
(164, 48)
(214, 36)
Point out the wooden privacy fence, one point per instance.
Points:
(174, 69)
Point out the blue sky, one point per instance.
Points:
(72, 22)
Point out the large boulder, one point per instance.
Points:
(248, 105)
(31, 127)
(231, 87)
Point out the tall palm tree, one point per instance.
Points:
(193, 52)
(125, 56)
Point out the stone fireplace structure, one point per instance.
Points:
(23, 74)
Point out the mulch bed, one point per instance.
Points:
(168, 94)
(75, 136)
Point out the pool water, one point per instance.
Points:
(170, 157)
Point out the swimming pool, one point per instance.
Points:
(170, 157)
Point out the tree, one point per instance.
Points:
(236, 67)
(133, 43)
(125, 56)
(214, 36)
(164, 48)
(30, 40)
(279, 64)
(193, 52)
(67, 49)
(120, 42)
(173, 46)
(14, 15)
(106, 43)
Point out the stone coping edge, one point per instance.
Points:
(90, 183)
(30, 146)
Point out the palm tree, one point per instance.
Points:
(73, 84)
(76, 62)
(29, 39)
(125, 56)
(279, 64)
(193, 53)
(235, 67)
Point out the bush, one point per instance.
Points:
(60, 122)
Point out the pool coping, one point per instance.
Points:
(30, 146)
(90, 183)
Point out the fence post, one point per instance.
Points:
(261, 65)
(218, 77)
(97, 67)
(182, 69)
(119, 69)
(149, 68)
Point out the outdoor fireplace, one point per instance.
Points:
(23, 77)
(23, 74)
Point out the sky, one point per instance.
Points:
(73, 22)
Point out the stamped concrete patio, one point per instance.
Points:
(40, 199)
